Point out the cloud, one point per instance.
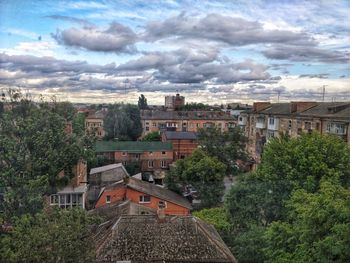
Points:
(305, 53)
(320, 76)
(117, 38)
(71, 19)
(194, 66)
(215, 27)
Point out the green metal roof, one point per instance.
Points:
(132, 146)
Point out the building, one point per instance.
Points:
(184, 143)
(151, 156)
(75, 193)
(145, 194)
(102, 176)
(266, 121)
(155, 121)
(94, 123)
(159, 238)
(174, 102)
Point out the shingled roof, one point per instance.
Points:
(144, 238)
(132, 146)
(107, 168)
(157, 191)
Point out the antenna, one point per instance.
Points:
(278, 95)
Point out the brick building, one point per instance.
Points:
(184, 143)
(145, 194)
(157, 120)
(267, 120)
(174, 102)
(151, 156)
(94, 123)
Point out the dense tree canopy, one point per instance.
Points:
(34, 149)
(152, 136)
(227, 146)
(50, 236)
(275, 197)
(202, 172)
(123, 122)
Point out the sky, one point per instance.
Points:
(209, 51)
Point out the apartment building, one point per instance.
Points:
(94, 122)
(174, 102)
(267, 120)
(184, 121)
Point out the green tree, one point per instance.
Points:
(79, 124)
(152, 136)
(142, 103)
(317, 228)
(201, 171)
(288, 165)
(50, 236)
(228, 146)
(34, 149)
(123, 121)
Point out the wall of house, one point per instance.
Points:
(95, 125)
(107, 177)
(116, 194)
(171, 208)
(183, 148)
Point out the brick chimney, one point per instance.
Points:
(259, 106)
(300, 106)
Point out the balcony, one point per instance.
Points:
(273, 124)
(242, 120)
(260, 123)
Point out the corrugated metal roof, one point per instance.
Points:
(173, 135)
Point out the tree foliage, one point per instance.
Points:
(50, 236)
(195, 106)
(123, 122)
(152, 136)
(201, 171)
(142, 102)
(291, 172)
(227, 146)
(34, 149)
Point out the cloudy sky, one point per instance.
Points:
(210, 51)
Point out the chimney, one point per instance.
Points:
(259, 106)
(300, 106)
(161, 213)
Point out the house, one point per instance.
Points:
(75, 193)
(268, 120)
(102, 176)
(160, 238)
(151, 156)
(94, 123)
(145, 194)
(158, 120)
(184, 143)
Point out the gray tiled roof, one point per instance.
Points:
(143, 238)
(277, 108)
(173, 135)
(107, 168)
(329, 109)
(154, 190)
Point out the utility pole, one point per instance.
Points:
(323, 92)
(278, 96)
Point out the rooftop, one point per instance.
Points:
(107, 168)
(143, 238)
(173, 135)
(185, 115)
(132, 146)
(157, 191)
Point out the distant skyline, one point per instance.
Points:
(209, 51)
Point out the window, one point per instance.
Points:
(53, 199)
(290, 124)
(147, 123)
(198, 125)
(163, 164)
(240, 119)
(162, 204)
(150, 153)
(307, 125)
(124, 153)
(108, 199)
(270, 135)
(150, 164)
(163, 153)
(147, 128)
(154, 124)
(145, 199)
(271, 121)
